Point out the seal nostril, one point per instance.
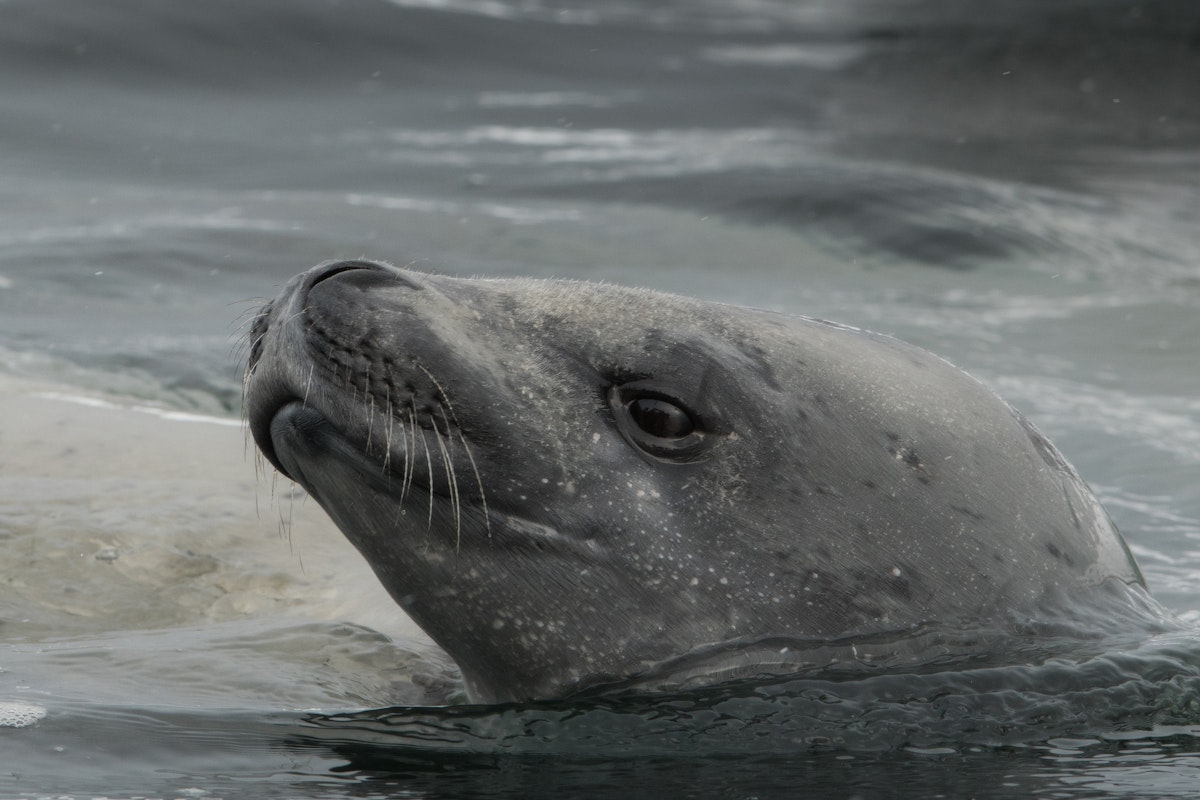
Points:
(327, 271)
(368, 272)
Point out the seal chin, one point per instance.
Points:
(306, 446)
(299, 435)
(268, 413)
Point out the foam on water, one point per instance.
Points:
(20, 714)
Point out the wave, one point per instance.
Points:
(232, 45)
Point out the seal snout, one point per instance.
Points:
(315, 333)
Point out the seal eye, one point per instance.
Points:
(659, 426)
(660, 418)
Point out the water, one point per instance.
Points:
(1013, 186)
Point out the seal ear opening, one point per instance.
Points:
(658, 424)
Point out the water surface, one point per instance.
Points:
(1013, 186)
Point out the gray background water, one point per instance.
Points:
(1013, 185)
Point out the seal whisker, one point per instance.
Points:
(260, 470)
(240, 343)
(254, 345)
(451, 480)
(256, 308)
(243, 327)
(246, 378)
(487, 519)
(410, 454)
(428, 461)
(287, 320)
(308, 384)
(299, 313)
(248, 317)
(370, 407)
(445, 398)
(447, 406)
(257, 301)
(406, 470)
(290, 523)
(282, 520)
(429, 470)
(387, 434)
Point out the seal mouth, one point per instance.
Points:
(295, 430)
(261, 414)
(304, 344)
(302, 442)
(301, 438)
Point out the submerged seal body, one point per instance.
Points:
(571, 485)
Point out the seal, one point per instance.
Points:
(577, 487)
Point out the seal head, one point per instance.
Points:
(571, 485)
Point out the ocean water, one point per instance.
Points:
(1013, 185)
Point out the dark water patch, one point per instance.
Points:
(991, 707)
(125, 752)
(1097, 726)
(1083, 768)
